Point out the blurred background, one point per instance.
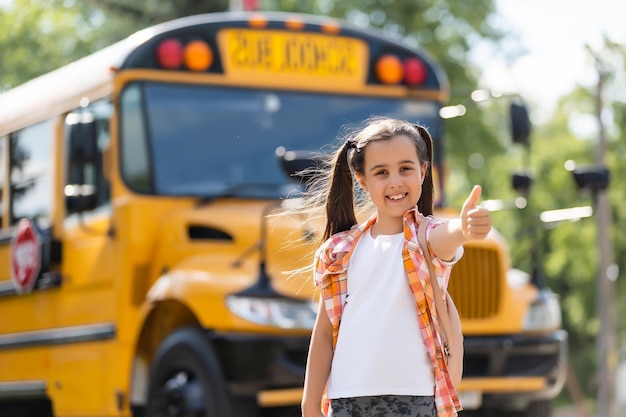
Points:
(564, 59)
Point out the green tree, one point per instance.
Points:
(568, 260)
(36, 38)
(137, 15)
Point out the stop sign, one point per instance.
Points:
(25, 256)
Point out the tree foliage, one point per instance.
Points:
(36, 38)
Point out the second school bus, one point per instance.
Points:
(140, 273)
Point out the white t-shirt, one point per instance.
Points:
(380, 349)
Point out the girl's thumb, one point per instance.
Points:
(473, 198)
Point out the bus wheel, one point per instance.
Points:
(185, 379)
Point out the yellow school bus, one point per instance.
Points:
(144, 258)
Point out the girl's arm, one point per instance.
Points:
(318, 363)
(474, 223)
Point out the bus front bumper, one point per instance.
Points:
(514, 370)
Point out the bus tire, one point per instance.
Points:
(185, 378)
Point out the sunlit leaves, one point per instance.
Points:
(37, 38)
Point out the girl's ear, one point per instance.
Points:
(424, 169)
(361, 181)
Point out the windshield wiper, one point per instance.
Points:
(252, 190)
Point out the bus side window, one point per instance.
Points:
(31, 173)
(86, 138)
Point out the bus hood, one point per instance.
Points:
(235, 241)
(215, 258)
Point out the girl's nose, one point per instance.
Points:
(395, 181)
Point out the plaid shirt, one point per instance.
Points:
(331, 266)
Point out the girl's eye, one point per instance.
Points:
(407, 168)
(381, 172)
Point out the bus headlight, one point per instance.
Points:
(283, 313)
(544, 314)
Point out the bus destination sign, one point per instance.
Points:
(249, 52)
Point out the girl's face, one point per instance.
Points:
(392, 176)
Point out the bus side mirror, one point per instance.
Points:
(80, 197)
(82, 155)
(299, 166)
(83, 141)
(520, 124)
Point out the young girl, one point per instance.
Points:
(382, 360)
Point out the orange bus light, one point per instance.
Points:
(198, 56)
(414, 71)
(170, 54)
(331, 28)
(294, 24)
(389, 69)
(257, 21)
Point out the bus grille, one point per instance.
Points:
(475, 284)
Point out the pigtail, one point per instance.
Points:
(425, 205)
(340, 215)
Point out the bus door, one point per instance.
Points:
(86, 314)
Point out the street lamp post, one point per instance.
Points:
(607, 353)
(596, 180)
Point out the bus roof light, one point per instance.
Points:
(294, 23)
(170, 54)
(331, 28)
(257, 21)
(198, 56)
(389, 69)
(414, 71)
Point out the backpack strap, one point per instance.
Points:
(442, 311)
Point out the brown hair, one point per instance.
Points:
(338, 185)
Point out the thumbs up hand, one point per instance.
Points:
(475, 220)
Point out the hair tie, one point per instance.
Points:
(351, 144)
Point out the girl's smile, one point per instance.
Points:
(397, 197)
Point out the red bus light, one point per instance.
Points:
(198, 56)
(170, 54)
(389, 69)
(414, 71)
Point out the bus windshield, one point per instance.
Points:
(191, 140)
